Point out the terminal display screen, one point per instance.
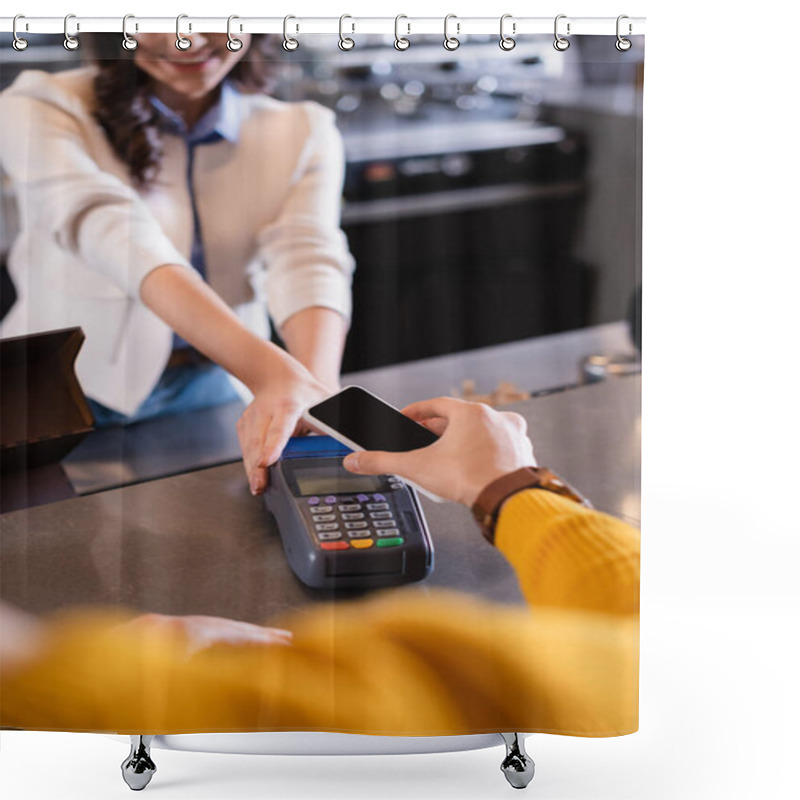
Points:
(322, 481)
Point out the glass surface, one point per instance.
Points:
(371, 423)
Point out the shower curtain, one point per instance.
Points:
(470, 219)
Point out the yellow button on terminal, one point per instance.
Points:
(361, 544)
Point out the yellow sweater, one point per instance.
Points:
(404, 662)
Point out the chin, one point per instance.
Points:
(196, 86)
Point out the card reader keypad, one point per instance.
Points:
(344, 523)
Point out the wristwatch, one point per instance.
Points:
(486, 507)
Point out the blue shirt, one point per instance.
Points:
(221, 121)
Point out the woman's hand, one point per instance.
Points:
(273, 416)
(200, 633)
(282, 387)
(477, 446)
(315, 337)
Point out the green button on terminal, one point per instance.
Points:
(390, 542)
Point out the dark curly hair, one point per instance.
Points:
(123, 107)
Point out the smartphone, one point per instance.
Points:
(362, 421)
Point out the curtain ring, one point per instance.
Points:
(506, 42)
(70, 42)
(560, 43)
(623, 44)
(128, 42)
(450, 42)
(345, 42)
(19, 44)
(181, 42)
(400, 42)
(233, 44)
(289, 44)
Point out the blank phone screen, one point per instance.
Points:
(371, 423)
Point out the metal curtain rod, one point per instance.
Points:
(408, 26)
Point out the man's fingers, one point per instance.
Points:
(375, 462)
(518, 422)
(436, 424)
(437, 407)
(236, 632)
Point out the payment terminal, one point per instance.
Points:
(341, 530)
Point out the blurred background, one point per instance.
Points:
(489, 196)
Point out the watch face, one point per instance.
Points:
(550, 481)
(489, 502)
(487, 507)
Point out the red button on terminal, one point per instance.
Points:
(334, 545)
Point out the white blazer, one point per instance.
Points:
(268, 206)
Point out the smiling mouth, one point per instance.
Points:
(194, 61)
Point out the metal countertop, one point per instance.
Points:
(116, 457)
(199, 543)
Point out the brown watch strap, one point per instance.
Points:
(486, 507)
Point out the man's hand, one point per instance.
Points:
(477, 446)
(200, 633)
